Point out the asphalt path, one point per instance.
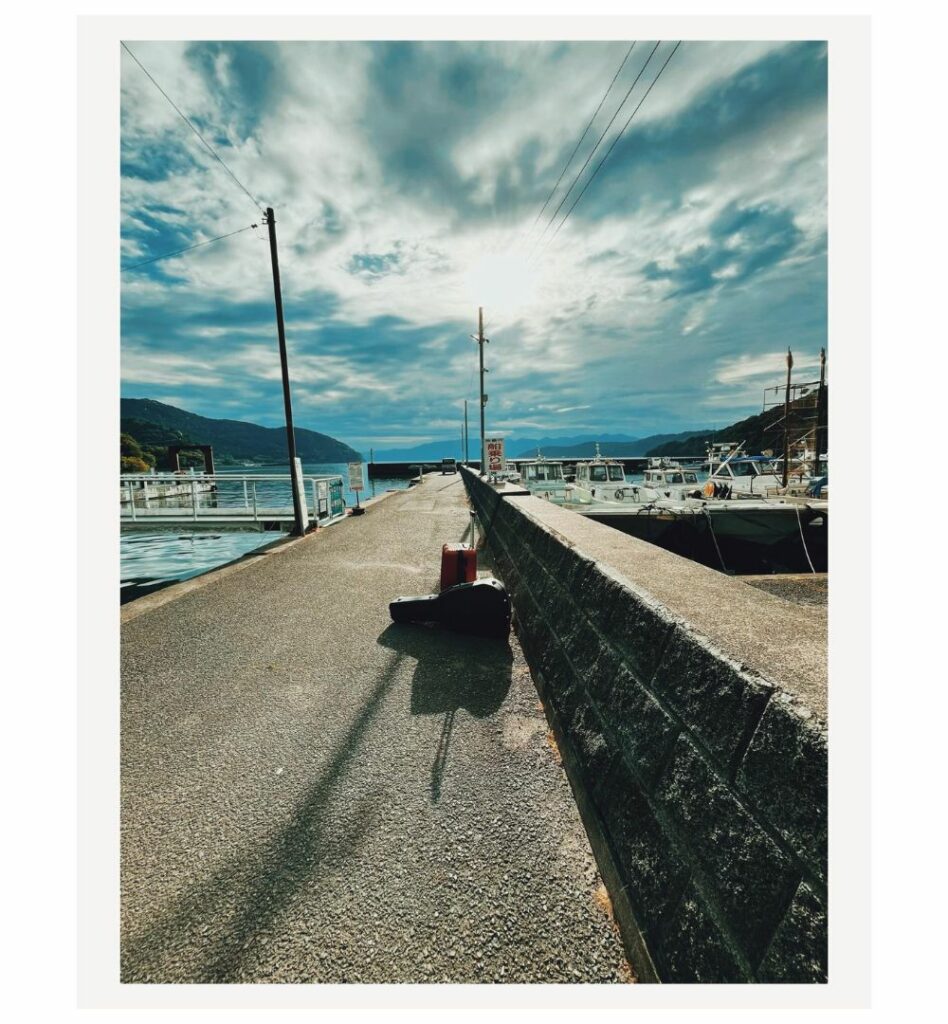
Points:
(313, 794)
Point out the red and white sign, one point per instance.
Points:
(495, 454)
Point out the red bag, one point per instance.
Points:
(458, 565)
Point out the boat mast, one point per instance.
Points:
(820, 414)
(786, 423)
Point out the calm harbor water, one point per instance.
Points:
(152, 559)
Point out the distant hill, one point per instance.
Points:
(451, 447)
(760, 432)
(586, 449)
(155, 424)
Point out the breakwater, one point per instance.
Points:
(313, 794)
(691, 712)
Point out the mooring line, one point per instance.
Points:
(803, 539)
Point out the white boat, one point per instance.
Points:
(672, 480)
(544, 478)
(603, 480)
(735, 474)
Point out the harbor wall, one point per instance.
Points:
(690, 711)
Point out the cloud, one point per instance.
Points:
(741, 242)
(399, 171)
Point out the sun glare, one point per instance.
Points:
(502, 283)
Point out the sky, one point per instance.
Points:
(408, 181)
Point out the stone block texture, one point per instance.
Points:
(707, 782)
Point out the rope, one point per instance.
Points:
(802, 538)
(715, 539)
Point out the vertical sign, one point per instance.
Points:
(355, 476)
(495, 454)
(355, 484)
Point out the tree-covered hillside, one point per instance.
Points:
(761, 432)
(156, 425)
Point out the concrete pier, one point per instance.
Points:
(312, 794)
(691, 712)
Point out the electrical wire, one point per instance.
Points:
(598, 143)
(583, 136)
(190, 124)
(187, 248)
(614, 141)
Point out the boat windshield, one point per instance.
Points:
(597, 473)
(615, 473)
(541, 471)
(691, 478)
(675, 478)
(744, 468)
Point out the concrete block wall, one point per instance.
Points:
(703, 779)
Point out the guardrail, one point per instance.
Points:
(226, 498)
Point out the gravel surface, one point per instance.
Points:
(800, 589)
(313, 794)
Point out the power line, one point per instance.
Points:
(598, 143)
(614, 141)
(190, 124)
(187, 248)
(583, 136)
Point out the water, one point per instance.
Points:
(152, 559)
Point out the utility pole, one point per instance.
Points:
(786, 423)
(481, 341)
(465, 432)
(820, 431)
(287, 404)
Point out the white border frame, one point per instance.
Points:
(99, 413)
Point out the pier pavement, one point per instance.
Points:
(313, 794)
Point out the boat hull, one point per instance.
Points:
(730, 536)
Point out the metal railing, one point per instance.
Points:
(222, 497)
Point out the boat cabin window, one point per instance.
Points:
(615, 473)
(691, 478)
(745, 469)
(598, 473)
(675, 478)
(542, 472)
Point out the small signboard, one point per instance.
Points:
(355, 477)
(495, 454)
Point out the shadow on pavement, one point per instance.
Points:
(213, 930)
(452, 671)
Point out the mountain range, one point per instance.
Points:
(154, 424)
(555, 446)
